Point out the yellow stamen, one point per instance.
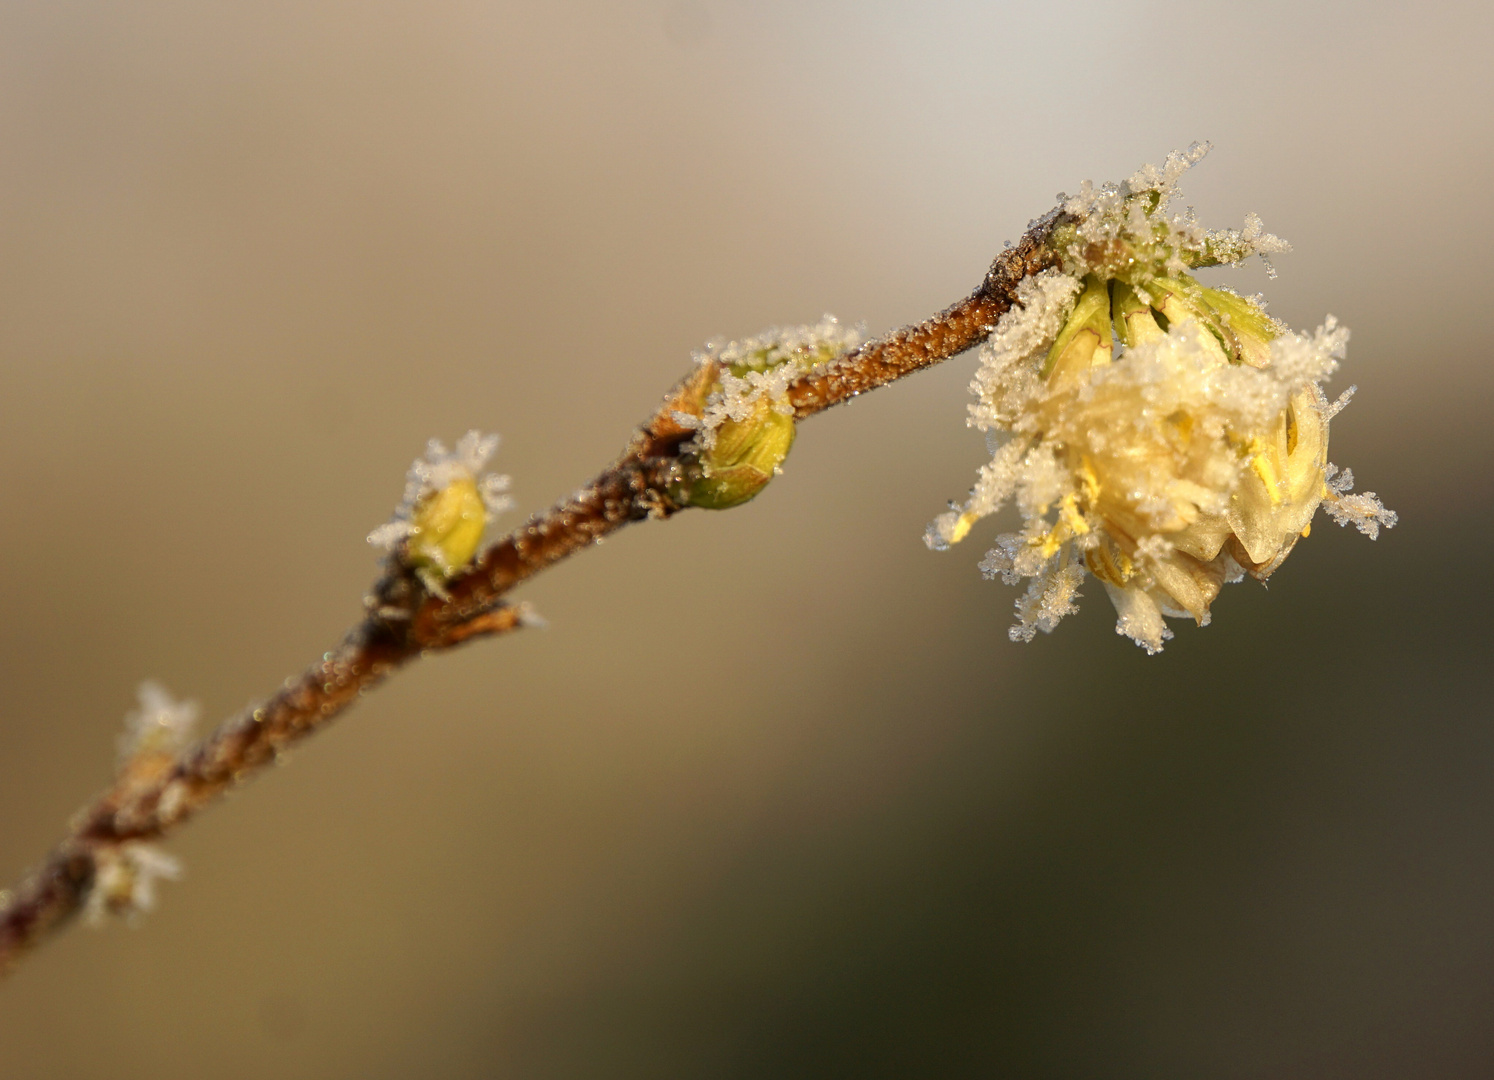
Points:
(1072, 517)
(1263, 468)
(1089, 479)
(1056, 538)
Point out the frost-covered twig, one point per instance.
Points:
(432, 597)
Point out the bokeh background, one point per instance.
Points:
(774, 795)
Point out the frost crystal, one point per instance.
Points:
(124, 882)
(160, 726)
(1165, 437)
(1117, 221)
(756, 372)
(1364, 510)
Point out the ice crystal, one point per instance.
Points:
(1363, 510)
(124, 881)
(1127, 229)
(531, 619)
(1165, 437)
(756, 372)
(160, 726)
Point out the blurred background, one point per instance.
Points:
(773, 795)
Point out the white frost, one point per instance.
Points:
(124, 882)
(161, 725)
(761, 368)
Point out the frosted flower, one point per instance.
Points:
(160, 727)
(746, 423)
(1162, 436)
(124, 882)
(448, 502)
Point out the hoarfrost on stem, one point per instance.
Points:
(756, 372)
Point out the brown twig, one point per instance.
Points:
(404, 620)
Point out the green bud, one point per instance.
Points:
(445, 529)
(744, 457)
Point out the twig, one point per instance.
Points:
(405, 620)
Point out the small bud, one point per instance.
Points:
(158, 729)
(745, 456)
(438, 527)
(124, 882)
(744, 426)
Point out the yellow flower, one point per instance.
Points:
(1165, 437)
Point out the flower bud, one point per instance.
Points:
(446, 527)
(744, 426)
(746, 454)
(448, 501)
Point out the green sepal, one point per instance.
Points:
(1085, 339)
(1134, 322)
(1251, 328)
